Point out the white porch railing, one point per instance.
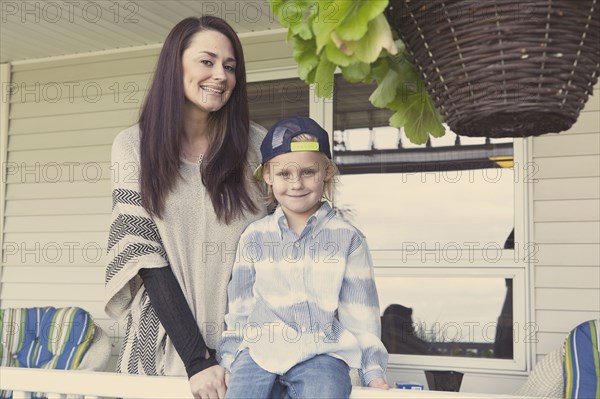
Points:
(60, 383)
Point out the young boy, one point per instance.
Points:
(303, 306)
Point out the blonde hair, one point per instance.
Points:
(329, 187)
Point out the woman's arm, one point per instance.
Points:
(207, 378)
(176, 317)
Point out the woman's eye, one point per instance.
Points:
(229, 68)
(206, 62)
(309, 172)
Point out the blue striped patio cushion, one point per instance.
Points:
(70, 334)
(44, 337)
(582, 365)
(19, 329)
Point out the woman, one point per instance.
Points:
(182, 195)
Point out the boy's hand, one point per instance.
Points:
(379, 383)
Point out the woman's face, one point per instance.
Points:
(208, 71)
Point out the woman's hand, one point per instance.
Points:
(209, 383)
(379, 383)
(227, 377)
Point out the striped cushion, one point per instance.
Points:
(10, 334)
(19, 329)
(45, 337)
(582, 365)
(66, 335)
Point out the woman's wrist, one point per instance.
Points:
(200, 364)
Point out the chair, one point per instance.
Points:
(51, 338)
(571, 370)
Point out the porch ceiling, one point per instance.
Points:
(31, 29)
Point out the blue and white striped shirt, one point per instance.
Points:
(293, 297)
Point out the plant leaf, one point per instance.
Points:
(336, 56)
(379, 69)
(312, 76)
(306, 57)
(416, 112)
(379, 35)
(340, 44)
(356, 22)
(288, 12)
(329, 16)
(385, 92)
(324, 78)
(292, 14)
(302, 30)
(356, 36)
(422, 122)
(357, 72)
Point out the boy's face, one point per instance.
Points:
(298, 180)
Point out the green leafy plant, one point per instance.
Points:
(356, 37)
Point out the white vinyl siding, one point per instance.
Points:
(566, 228)
(64, 115)
(63, 118)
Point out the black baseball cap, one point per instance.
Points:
(279, 139)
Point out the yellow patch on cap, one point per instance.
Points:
(304, 146)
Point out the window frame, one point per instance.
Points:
(420, 362)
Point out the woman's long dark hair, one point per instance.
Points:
(161, 125)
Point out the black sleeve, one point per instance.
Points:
(176, 317)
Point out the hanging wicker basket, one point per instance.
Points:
(504, 68)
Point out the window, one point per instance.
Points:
(448, 316)
(440, 222)
(444, 194)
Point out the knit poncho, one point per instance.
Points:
(199, 248)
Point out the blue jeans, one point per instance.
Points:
(322, 376)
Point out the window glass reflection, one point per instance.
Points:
(452, 192)
(406, 211)
(447, 316)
